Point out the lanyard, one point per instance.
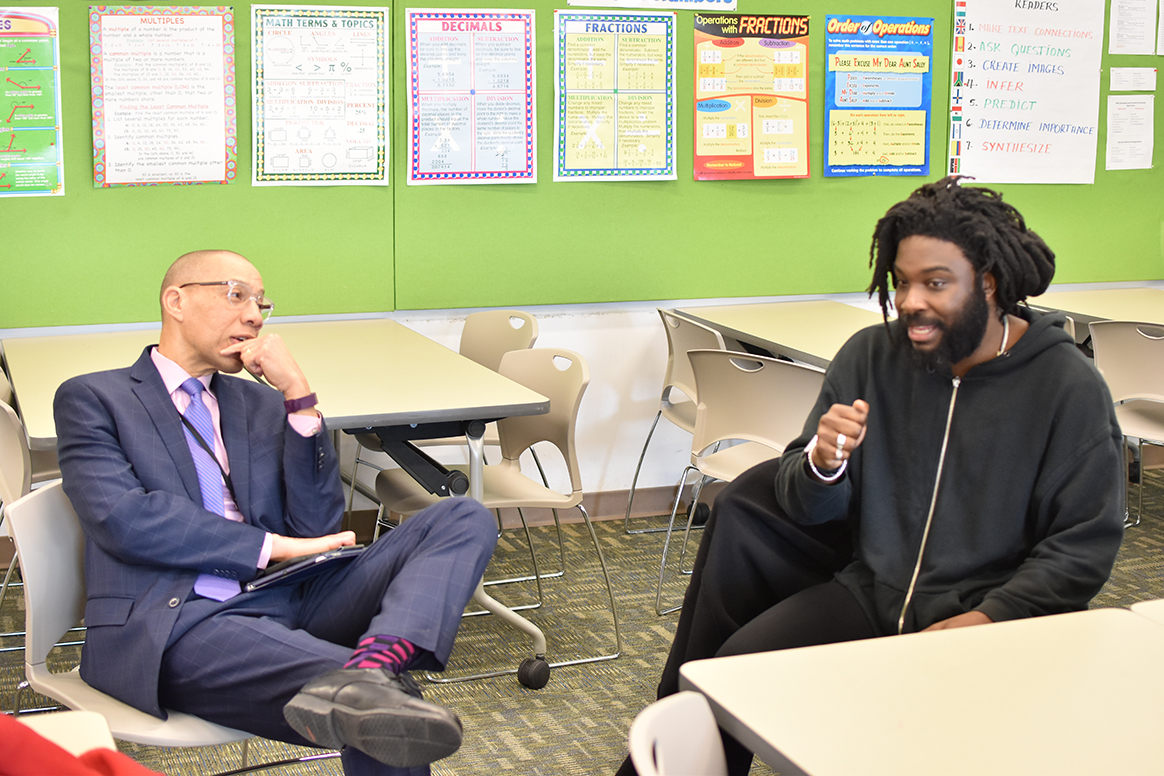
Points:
(209, 451)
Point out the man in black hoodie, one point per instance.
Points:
(962, 465)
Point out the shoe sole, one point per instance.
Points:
(400, 738)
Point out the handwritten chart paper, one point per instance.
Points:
(31, 153)
(615, 96)
(878, 85)
(1024, 101)
(163, 92)
(319, 84)
(471, 96)
(751, 97)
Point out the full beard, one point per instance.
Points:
(959, 339)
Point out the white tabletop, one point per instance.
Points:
(1153, 610)
(811, 332)
(1049, 695)
(366, 373)
(1110, 304)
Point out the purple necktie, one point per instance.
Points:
(209, 482)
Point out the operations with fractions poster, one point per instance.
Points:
(751, 96)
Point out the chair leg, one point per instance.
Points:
(577, 661)
(635, 481)
(667, 544)
(691, 510)
(557, 523)
(1128, 523)
(536, 577)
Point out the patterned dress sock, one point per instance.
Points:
(390, 652)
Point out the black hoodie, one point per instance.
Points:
(1030, 493)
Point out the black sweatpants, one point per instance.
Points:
(761, 582)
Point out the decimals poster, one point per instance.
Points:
(615, 90)
(319, 76)
(471, 104)
(751, 97)
(878, 84)
(31, 154)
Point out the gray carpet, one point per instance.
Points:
(578, 723)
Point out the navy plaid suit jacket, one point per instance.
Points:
(127, 469)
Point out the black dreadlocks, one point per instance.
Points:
(991, 234)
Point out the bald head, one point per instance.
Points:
(197, 267)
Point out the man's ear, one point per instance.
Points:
(989, 286)
(173, 302)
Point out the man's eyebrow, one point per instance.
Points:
(928, 270)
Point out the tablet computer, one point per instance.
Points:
(302, 567)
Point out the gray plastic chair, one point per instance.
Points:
(51, 546)
(677, 736)
(561, 376)
(750, 407)
(1130, 356)
(678, 400)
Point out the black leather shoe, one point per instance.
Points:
(377, 712)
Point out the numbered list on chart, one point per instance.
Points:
(471, 96)
(615, 96)
(163, 95)
(1024, 97)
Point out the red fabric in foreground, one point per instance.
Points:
(24, 752)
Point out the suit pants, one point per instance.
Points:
(238, 662)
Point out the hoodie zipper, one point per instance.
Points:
(933, 504)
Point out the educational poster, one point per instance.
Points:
(163, 90)
(707, 6)
(319, 84)
(751, 97)
(614, 95)
(471, 110)
(1024, 97)
(878, 84)
(31, 153)
(1130, 131)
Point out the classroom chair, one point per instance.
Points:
(51, 547)
(677, 736)
(678, 399)
(561, 376)
(749, 408)
(1130, 356)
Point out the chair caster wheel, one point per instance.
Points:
(534, 673)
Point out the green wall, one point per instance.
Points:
(96, 256)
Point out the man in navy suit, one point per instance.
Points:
(176, 519)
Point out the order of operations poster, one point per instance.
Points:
(31, 154)
(163, 92)
(615, 96)
(751, 97)
(878, 85)
(320, 87)
(471, 110)
(1024, 96)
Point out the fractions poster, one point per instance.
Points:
(31, 154)
(320, 95)
(164, 99)
(1024, 97)
(878, 83)
(751, 97)
(615, 96)
(471, 96)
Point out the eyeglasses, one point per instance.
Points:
(239, 294)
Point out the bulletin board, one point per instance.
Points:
(97, 255)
